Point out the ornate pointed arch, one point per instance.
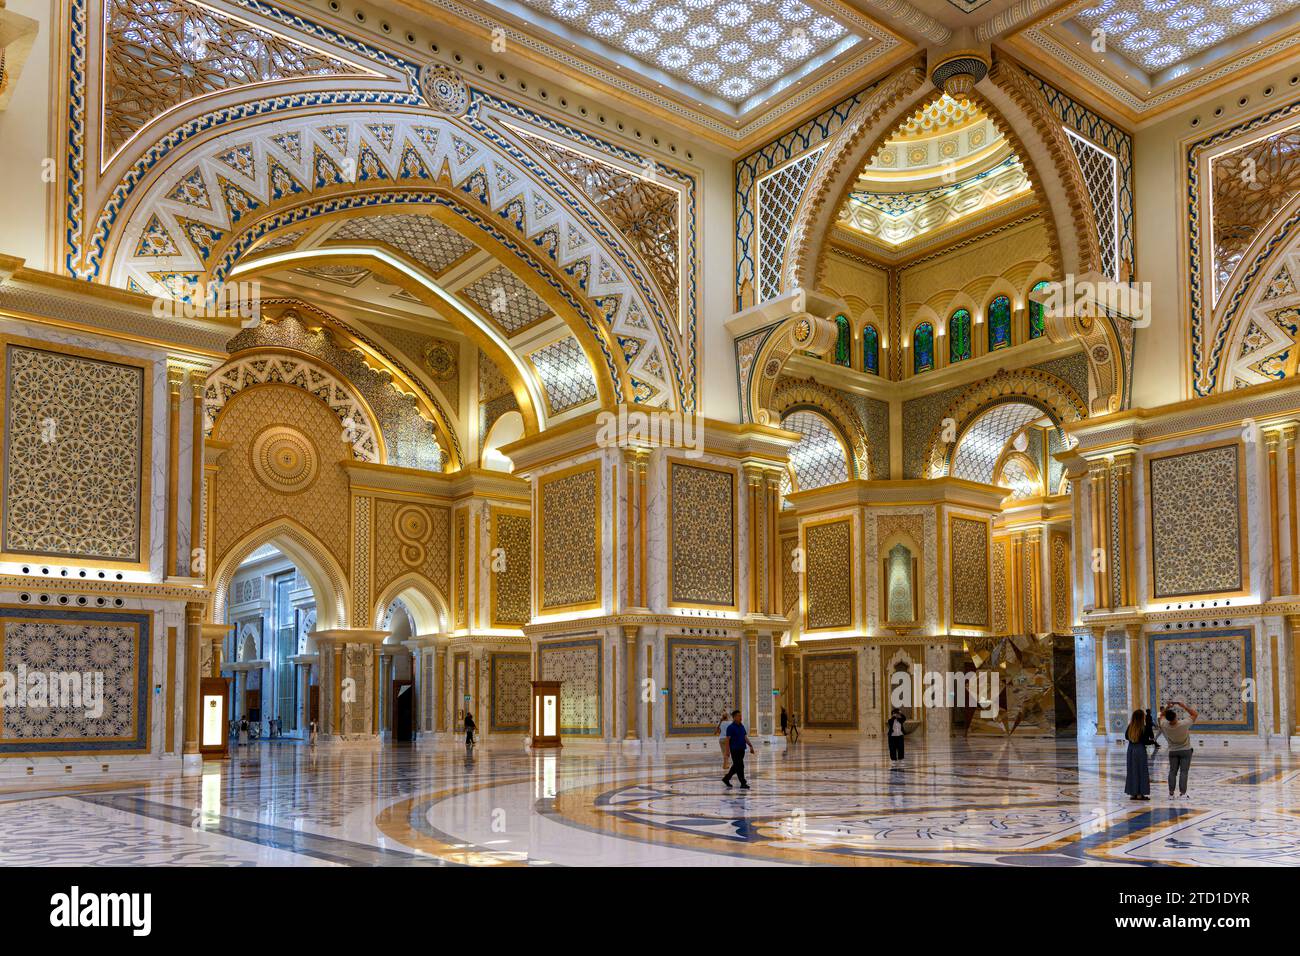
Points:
(1031, 386)
(194, 217)
(428, 607)
(329, 582)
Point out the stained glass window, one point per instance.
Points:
(871, 350)
(999, 323)
(959, 342)
(923, 348)
(1036, 326)
(842, 341)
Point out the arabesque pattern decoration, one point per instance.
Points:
(828, 579)
(577, 665)
(969, 564)
(1209, 672)
(75, 453)
(704, 683)
(93, 645)
(1197, 534)
(511, 690)
(570, 538)
(831, 690)
(241, 503)
(703, 544)
(159, 55)
(511, 579)
(411, 537)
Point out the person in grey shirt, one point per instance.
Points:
(1178, 734)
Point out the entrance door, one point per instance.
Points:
(403, 711)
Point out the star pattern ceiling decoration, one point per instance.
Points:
(735, 50)
(1160, 34)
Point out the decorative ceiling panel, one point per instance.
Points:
(737, 51)
(1146, 56)
(159, 55)
(565, 374)
(420, 238)
(506, 300)
(1159, 34)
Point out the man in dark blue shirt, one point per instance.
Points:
(737, 740)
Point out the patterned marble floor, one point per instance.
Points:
(991, 802)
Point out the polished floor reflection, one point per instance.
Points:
(983, 802)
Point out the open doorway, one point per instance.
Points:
(271, 608)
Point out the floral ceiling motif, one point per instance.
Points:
(1159, 34)
(736, 49)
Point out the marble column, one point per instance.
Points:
(193, 638)
(630, 662)
(350, 683)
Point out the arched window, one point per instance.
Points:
(871, 350)
(842, 341)
(959, 343)
(1036, 325)
(999, 323)
(923, 348)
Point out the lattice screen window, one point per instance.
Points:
(819, 458)
(1101, 175)
(777, 198)
(984, 441)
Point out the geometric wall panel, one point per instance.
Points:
(1208, 672)
(704, 683)
(114, 646)
(828, 577)
(831, 690)
(510, 690)
(76, 451)
(968, 540)
(569, 541)
(1197, 502)
(702, 522)
(511, 540)
(577, 665)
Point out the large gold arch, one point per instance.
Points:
(394, 266)
(397, 269)
(329, 582)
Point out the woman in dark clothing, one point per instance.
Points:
(895, 728)
(1137, 776)
(469, 732)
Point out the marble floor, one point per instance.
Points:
(985, 802)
